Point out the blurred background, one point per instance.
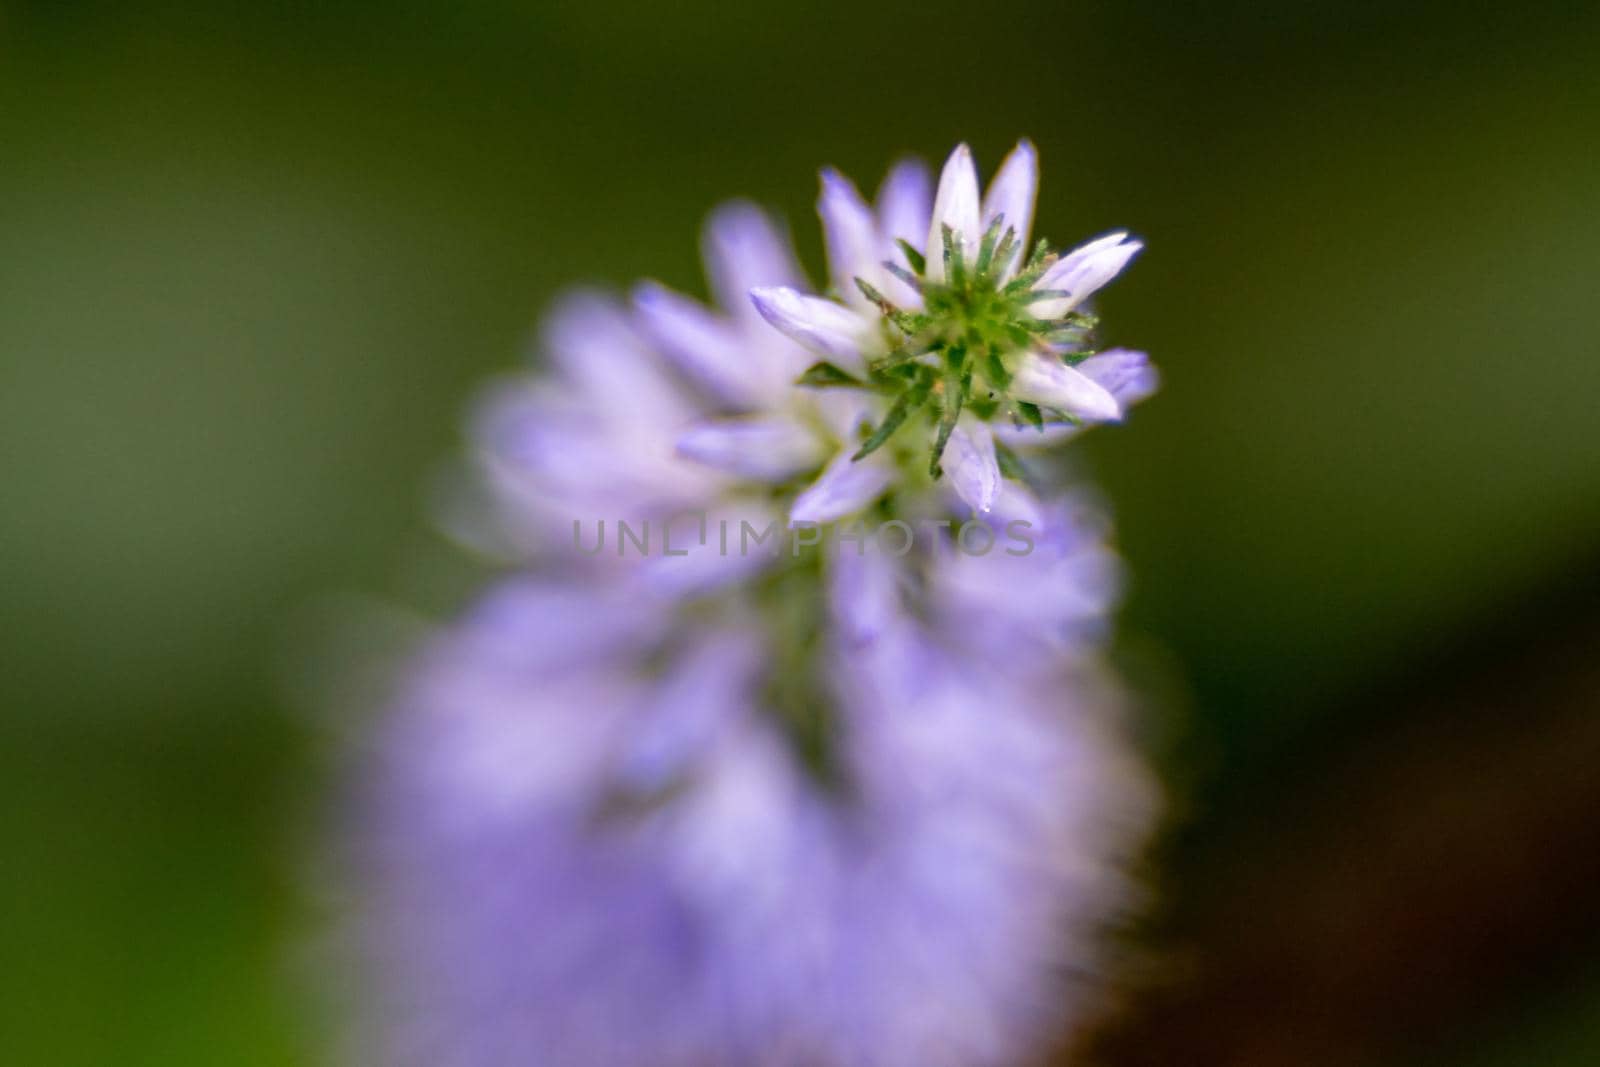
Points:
(255, 258)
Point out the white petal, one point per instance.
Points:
(830, 330)
(843, 488)
(905, 204)
(1069, 262)
(703, 345)
(1082, 272)
(863, 589)
(956, 206)
(969, 462)
(1012, 503)
(1124, 373)
(768, 449)
(592, 339)
(1012, 193)
(852, 237)
(743, 248)
(685, 566)
(1047, 381)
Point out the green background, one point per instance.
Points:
(254, 261)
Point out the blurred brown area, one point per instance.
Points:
(1419, 874)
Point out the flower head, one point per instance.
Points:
(953, 325)
(839, 806)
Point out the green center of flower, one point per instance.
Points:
(958, 353)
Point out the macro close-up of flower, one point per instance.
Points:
(823, 535)
(844, 795)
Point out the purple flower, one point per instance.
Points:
(659, 409)
(942, 307)
(571, 860)
(829, 805)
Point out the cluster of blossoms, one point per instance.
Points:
(829, 805)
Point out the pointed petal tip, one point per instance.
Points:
(828, 329)
(905, 203)
(803, 513)
(850, 235)
(1025, 150)
(1097, 404)
(768, 298)
(648, 292)
(1083, 272)
(1011, 196)
(830, 183)
(1120, 243)
(783, 305)
(962, 166)
(777, 304)
(1051, 383)
(744, 245)
(1126, 373)
(909, 175)
(1125, 254)
(731, 218)
(972, 465)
